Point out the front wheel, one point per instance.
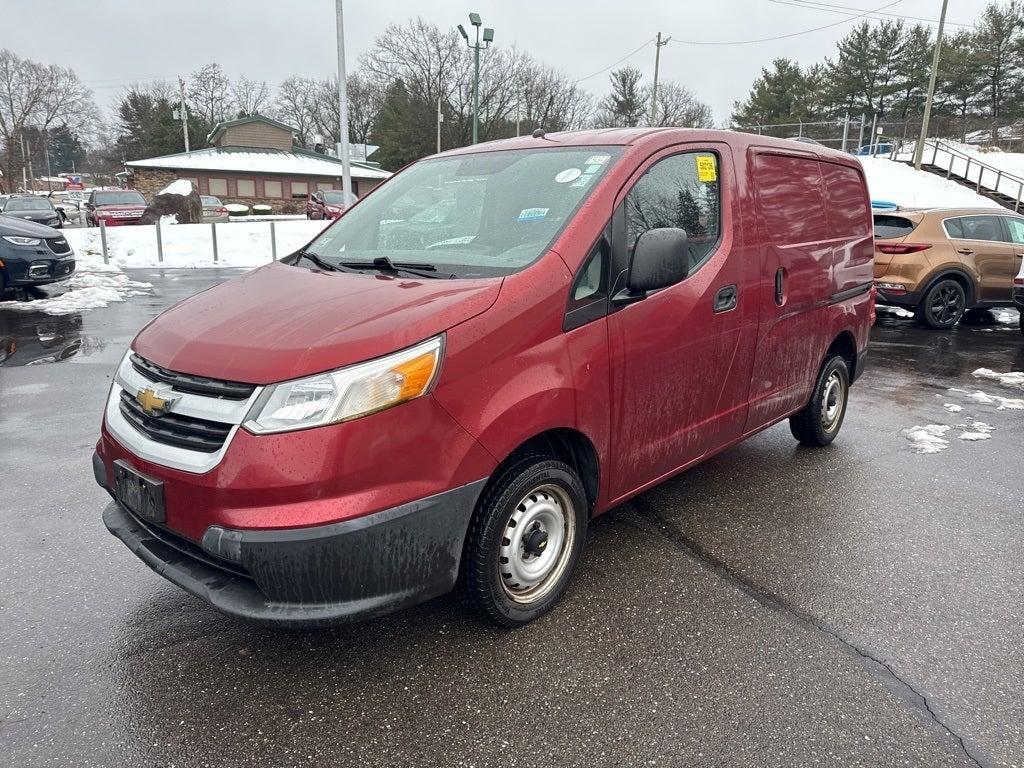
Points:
(943, 305)
(821, 419)
(524, 541)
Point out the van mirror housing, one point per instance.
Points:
(660, 258)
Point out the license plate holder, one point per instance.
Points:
(142, 495)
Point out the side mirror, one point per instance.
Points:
(660, 258)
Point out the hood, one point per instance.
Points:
(281, 322)
(16, 225)
(121, 207)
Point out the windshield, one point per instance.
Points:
(207, 200)
(334, 198)
(479, 215)
(118, 198)
(28, 204)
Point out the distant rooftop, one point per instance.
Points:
(297, 162)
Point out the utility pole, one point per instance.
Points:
(474, 19)
(440, 119)
(919, 149)
(658, 45)
(342, 148)
(24, 177)
(184, 113)
(46, 154)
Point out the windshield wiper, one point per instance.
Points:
(313, 257)
(385, 264)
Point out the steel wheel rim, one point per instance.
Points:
(527, 569)
(946, 304)
(832, 401)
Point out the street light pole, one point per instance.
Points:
(342, 147)
(919, 149)
(488, 38)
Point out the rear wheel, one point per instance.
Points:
(943, 304)
(1021, 321)
(524, 541)
(822, 418)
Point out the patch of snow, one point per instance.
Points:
(85, 290)
(953, 407)
(258, 162)
(900, 183)
(181, 187)
(239, 244)
(1013, 379)
(897, 311)
(1001, 403)
(929, 438)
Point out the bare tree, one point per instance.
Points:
(294, 106)
(38, 96)
(209, 94)
(676, 106)
(249, 97)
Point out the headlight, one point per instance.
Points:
(16, 240)
(347, 393)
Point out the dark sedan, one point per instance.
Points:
(32, 254)
(34, 208)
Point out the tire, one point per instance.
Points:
(943, 304)
(509, 579)
(821, 419)
(1021, 321)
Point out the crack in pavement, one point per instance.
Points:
(777, 603)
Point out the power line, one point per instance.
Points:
(788, 35)
(615, 64)
(846, 10)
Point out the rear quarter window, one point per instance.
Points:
(888, 226)
(791, 196)
(849, 214)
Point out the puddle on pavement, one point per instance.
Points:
(36, 338)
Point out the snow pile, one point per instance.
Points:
(191, 245)
(953, 407)
(976, 430)
(901, 184)
(928, 439)
(84, 290)
(181, 187)
(1001, 403)
(1012, 380)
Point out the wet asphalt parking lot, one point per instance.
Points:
(776, 606)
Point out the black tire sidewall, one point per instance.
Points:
(495, 509)
(811, 430)
(926, 314)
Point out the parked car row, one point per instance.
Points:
(32, 254)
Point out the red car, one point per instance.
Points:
(325, 204)
(114, 207)
(373, 419)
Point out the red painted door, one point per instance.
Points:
(681, 369)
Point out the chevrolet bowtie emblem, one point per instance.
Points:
(153, 402)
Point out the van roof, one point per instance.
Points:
(655, 137)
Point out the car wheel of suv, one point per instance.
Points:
(524, 540)
(1021, 321)
(822, 418)
(943, 305)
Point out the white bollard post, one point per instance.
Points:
(103, 241)
(273, 242)
(159, 243)
(213, 229)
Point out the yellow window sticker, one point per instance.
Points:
(706, 169)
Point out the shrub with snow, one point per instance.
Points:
(237, 209)
(262, 209)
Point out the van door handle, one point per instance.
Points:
(725, 299)
(965, 251)
(779, 287)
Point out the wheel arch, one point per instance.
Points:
(845, 345)
(962, 276)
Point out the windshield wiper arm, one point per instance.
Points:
(313, 257)
(385, 264)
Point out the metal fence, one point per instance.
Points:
(160, 240)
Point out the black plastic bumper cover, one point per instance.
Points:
(324, 574)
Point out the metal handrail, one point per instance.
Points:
(955, 153)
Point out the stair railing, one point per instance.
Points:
(955, 154)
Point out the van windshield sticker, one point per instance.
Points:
(569, 174)
(532, 214)
(706, 170)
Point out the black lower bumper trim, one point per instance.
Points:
(307, 577)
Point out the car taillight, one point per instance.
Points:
(1018, 282)
(902, 247)
(220, 210)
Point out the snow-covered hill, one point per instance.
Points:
(899, 183)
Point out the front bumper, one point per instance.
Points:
(37, 271)
(320, 575)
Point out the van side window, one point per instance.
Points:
(848, 210)
(975, 228)
(680, 191)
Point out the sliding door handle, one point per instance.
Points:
(780, 288)
(726, 298)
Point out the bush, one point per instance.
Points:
(262, 209)
(237, 209)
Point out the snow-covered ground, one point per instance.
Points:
(239, 244)
(1011, 164)
(901, 184)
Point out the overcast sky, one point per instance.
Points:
(113, 42)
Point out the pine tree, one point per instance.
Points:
(625, 106)
(997, 57)
(780, 95)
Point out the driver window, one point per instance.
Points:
(680, 191)
(1016, 229)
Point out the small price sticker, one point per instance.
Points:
(706, 169)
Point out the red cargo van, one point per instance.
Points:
(497, 345)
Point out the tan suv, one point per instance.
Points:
(943, 262)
